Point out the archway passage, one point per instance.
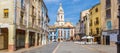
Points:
(3, 39)
(20, 39)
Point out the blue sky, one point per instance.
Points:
(72, 9)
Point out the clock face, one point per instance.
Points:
(109, 25)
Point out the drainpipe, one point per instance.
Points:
(118, 37)
(15, 6)
(28, 14)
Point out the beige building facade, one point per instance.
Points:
(77, 32)
(85, 22)
(109, 13)
(22, 24)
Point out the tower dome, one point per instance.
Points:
(60, 10)
(60, 16)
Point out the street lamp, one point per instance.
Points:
(118, 37)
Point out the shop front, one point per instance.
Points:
(3, 38)
(109, 37)
(20, 39)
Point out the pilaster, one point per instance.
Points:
(11, 39)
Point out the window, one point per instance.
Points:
(119, 1)
(61, 17)
(91, 13)
(54, 37)
(90, 22)
(68, 34)
(33, 10)
(97, 30)
(108, 3)
(38, 21)
(97, 21)
(33, 20)
(96, 10)
(84, 18)
(6, 13)
(22, 3)
(50, 37)
(21, 19)
(91, 32)
(109, 25)
(108, 13)
(64, 33)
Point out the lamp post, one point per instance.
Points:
(118, 37)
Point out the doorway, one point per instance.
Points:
(4, 39)
(107, 40)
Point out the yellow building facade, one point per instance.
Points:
(95, 22)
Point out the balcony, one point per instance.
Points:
(33, 15)
(29, 24)
(36, 26)
(33, 26)
(23, 22)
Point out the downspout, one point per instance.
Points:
(15, 15)
(28, 13)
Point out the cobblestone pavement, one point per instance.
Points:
(45, 49)
(70, 47)
(102, 48)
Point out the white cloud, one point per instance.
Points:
(51, 1)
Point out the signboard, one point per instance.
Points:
(110, 32)
(4, 25)
(104, 33)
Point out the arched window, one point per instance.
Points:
(109, 25)
(61, 17)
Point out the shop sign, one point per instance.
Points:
(4, 25)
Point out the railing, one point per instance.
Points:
(23, 22)
(29, 24)
(36, 26)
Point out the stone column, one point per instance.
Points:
(102, 39)
(39, 39)
(36, 39)
(11, 39)
(52, 36)
(27, 39)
